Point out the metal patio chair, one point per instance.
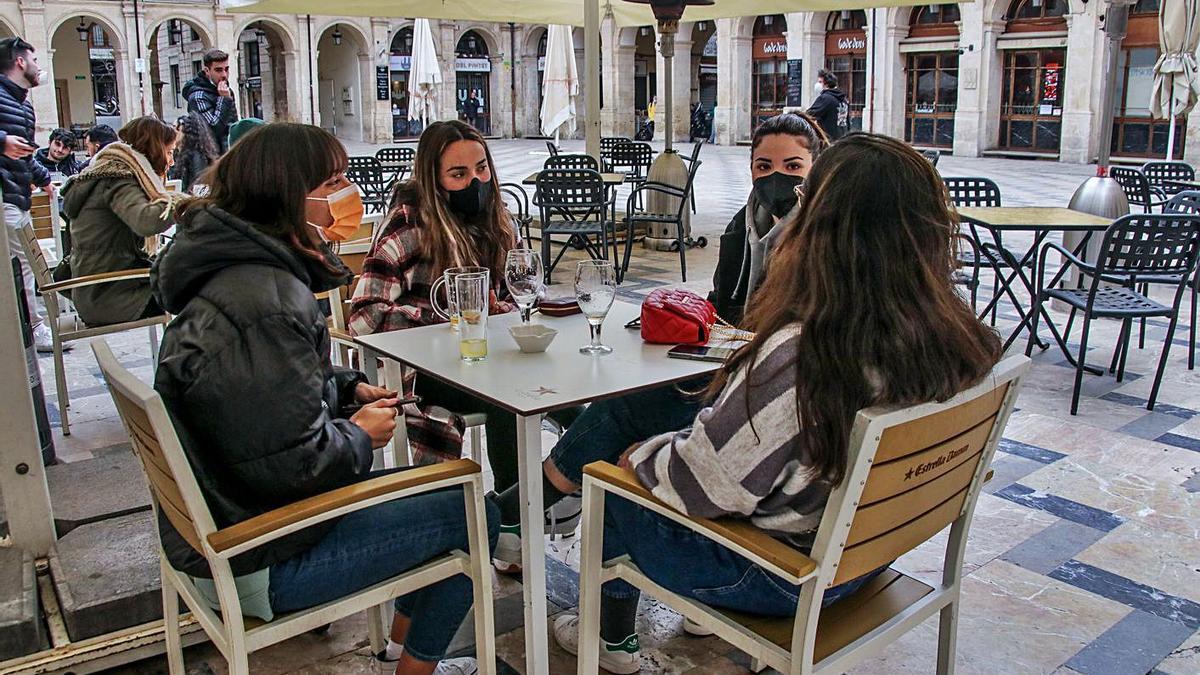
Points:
(1137, 188)
(576, 203)
(1136, 248)
(692, 159)
(990, 251)
(1160, 174)
(518, 207)
(368, 174)
(912, 472)
(634, 217)
(398, 161)
(572, 161)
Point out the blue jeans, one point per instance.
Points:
(380, 542)
(607, 428)
(713, 574)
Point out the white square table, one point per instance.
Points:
(528, 385)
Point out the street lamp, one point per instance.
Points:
(82, 30)
(337, 35)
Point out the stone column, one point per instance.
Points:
(501, 102)
(135, 98)
(1191, 151)
(681, 72)
(795, 50)
(444, 33)
(890, 80)
(45, 107)
(980, 69)
(734, 84)
(1086, 60)
(616, 115)
(380, 112)
(812, 50)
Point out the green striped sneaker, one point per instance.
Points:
(624, 658)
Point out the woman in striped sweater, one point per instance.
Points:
(857, 310)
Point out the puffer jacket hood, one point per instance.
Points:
(213, 239)
(200, 81)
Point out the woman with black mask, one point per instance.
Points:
(450, 214)
(782, 151)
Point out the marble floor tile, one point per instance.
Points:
(1184, 660)
(1152, 556)
(1135, 645)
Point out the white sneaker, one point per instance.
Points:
(43, 341)
(460, 666)
(562, 518)
(622, 659)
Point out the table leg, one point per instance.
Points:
(533, 555)
(370, 365)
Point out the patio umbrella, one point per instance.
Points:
(424, 77)
(560, 83)
(1176, 80)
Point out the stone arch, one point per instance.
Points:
(348, 29)
(343, 84)
(6, 28)
(150, 26)
(397, 29)
(281, 30)
(115, 35)
(489, 38)
(70, 59)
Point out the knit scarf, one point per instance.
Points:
(119, 160)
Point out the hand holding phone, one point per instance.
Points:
(16, 147)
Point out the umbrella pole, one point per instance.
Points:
(591, 51)
(667, 46)
(1171, 120)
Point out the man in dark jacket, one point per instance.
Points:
(59, 156)
(831, 110)
(209, 96)
(19, 72)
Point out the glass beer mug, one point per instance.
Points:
(449, 311)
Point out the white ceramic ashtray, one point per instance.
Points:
(533, 338)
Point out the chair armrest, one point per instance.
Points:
(285, 520)
(341, 337)
(738, 535)
(1067, 255)
(94, 279)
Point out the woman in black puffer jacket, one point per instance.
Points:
(197, 151)
(245, 372)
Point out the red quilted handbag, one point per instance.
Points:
(675, 316)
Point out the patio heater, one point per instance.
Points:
(668, 167)
(1101, 195)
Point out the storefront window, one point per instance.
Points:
(1032, 103)
(1135, 132)
(769, 67)
(1039, 9)
(472, 90)
(399, 64)
(932, 98)
(846, 57)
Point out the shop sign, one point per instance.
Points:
(400, 62)
(841, 43)
(795, 82)
(464, 64)
(1050, 84)
(770, 48)
(101, 54)
(254, 82)
(383, 84)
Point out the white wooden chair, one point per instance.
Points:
(65, 326)
(911, 472)
(177, 496)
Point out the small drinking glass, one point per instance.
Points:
(595, 289)
(472, 292)
(524, 278)
(449, 311)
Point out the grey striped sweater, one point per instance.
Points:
(722, 466)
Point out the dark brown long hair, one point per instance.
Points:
(150, 136)
(196, 136)
(446, 239)
(265, 178)
(867, 272)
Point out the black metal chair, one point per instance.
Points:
(633, 159)
(692, 159)
(1160, 174)
(1188, 202)
(368, 174)
(933, 155)
(399, 161)
(979, 191)
(635, 217)
(576, 203)
(1137, 188)
(552, 148)
(1158, 246)
(573, 161)
(607, 143)
(517, 200)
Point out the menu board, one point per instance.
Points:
(795, 82)
(383, 84)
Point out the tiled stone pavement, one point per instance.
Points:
(1083, 555)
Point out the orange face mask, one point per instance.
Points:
(346, 207)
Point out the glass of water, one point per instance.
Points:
(595, 289)
(524, 278)
(472, 293)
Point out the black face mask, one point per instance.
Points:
(472, 200)
(777, 192)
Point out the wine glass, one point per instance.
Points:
(524, 278)
(595, 289)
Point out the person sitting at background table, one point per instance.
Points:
(197, 151)
(245, 372)
(118, 201)
(781, 153)
(857, 310)
(449, 214)
(59, 156)
(94, 140)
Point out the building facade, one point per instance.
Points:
(1020, 77)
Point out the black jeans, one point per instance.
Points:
(501, 425)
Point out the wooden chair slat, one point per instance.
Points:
(898, 476)
(869, 555)
(919, 434)
(880, 517)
